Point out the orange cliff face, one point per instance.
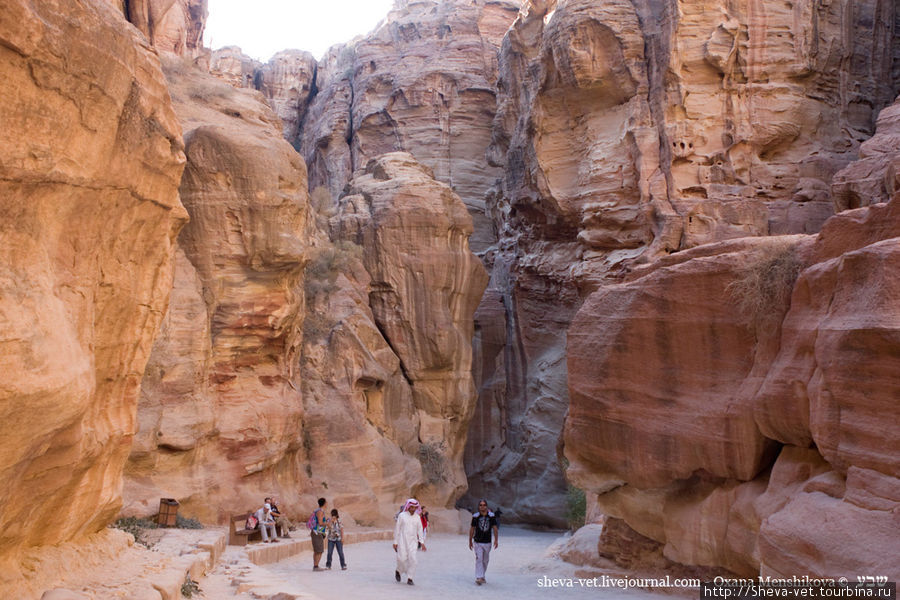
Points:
(90, 165)
(386, 360)
(620, 168)
(220, 406)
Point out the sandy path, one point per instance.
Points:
(445, 571)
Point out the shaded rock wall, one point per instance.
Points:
(286, 81)
(90, 160)
(174, 26)
(628, 130)
(750, 439)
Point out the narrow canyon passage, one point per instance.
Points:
(445, 571)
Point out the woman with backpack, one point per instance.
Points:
(317, 525)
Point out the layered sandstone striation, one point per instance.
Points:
(220, 411)
(90, 160)
(628, 130)
(387, 361)
(751, 439)
(286, 81)
(423, 82)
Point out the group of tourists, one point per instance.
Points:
(409, 535)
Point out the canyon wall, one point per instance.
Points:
(386, 368)
(631, 130)
(174, 26)
(728, 402)
(91, 160)
(423, 82)
(651, 186)
(220, 411)
(235, 405)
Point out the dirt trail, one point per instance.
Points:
(445, 571)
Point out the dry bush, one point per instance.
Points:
(320, 278)
(433, 463)
(763, 287)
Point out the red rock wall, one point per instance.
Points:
(220, 411)
(750, 439)
(423, 82)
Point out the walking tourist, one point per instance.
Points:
(408, 536)
(484, 522)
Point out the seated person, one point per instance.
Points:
(266, 523)
(281, 521)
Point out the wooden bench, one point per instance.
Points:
(240, 537)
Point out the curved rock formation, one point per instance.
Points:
(174, 26)
(389, 362)
(286, 81)
(220, 411)
(753, 440)
(90, 160)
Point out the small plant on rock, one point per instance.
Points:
(576, 507)
(185, 523)
(763, 287)
(136, 527)
(189, 587)
(432, 461)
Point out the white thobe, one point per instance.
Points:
(407, 534)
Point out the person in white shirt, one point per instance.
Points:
(408, 535)
(267, 523)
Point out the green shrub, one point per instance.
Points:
(136, 527)
(185, 523)
(433, 463)
(576, 507)
(189, 587)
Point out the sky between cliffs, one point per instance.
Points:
(263, 27)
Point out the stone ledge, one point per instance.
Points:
(264, 554)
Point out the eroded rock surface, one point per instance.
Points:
(423, 82)
(90, 161)
(221, 411)
(174, 26)
(628, 130)
(286, 81)
(389, 359)
(768, 464)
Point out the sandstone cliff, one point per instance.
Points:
(90, 160)
(220, 411)
(751, 439)
(379, 404)
(174, 26)
(387, 363)
(423, 82)
(286, 81)
(628, 130)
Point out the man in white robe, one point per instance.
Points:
(408, 534)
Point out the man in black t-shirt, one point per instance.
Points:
(484, 523)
